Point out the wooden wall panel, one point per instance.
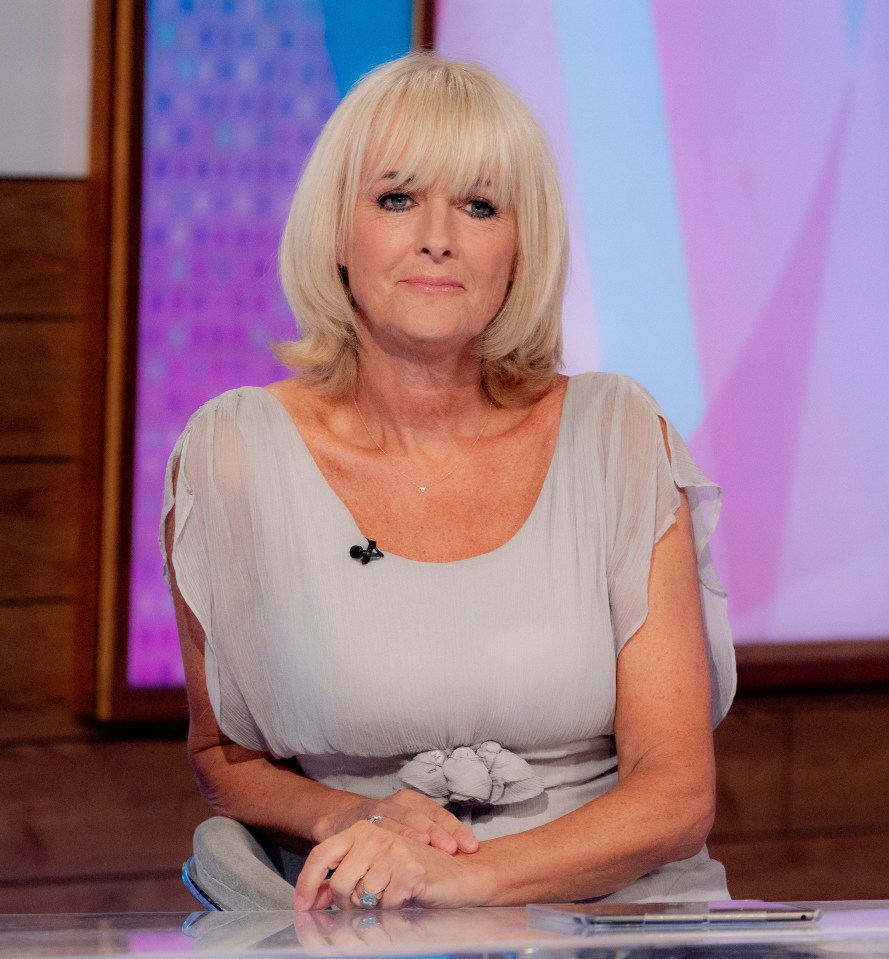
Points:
(42, 237)
(90, 809)
(840, 764)
(119, 894)
(36, 656)
(751, 756)
(36, 663)
(40, 364)
(804, 796)
(849, 866)
(40, 724)
(38, 530)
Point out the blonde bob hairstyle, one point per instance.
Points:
(455, 126)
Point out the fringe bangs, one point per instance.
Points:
(441, 131)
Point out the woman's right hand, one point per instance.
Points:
(408, 813)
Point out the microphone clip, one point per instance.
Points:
(366, 553)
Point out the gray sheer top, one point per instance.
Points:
(489, 682)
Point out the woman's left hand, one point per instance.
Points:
(397, 870)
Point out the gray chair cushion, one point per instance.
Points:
(241, 870)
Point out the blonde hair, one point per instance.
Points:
(438, 122)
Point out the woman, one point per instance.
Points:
(446, 613)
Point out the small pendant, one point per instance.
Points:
(422, 489)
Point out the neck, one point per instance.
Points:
(408, 400)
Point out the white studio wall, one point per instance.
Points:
(45, 73)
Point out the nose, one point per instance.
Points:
(435, 237)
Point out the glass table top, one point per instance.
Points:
(846, 929)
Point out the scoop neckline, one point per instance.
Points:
(301, 448)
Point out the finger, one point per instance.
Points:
(346, 882)
(460, 838)
(365, 868)
(451, 837)
(402, 889)
(324, 858)
(427, 819)
(366, 898)
(375, 881)
(442, 839)
(466, 840)
(322, 900)
(442, 819)
(415, 835)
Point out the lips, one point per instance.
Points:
(433, 284)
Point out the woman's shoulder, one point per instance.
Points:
(607, 396)
(239, 405)
(232, 439)
(232, 400)
(301, 400)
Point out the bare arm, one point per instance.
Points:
(660, 810)
(260, 791)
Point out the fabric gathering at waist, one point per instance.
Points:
(570, 764)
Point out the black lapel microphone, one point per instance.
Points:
(366, 553)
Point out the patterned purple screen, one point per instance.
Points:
(236, 93)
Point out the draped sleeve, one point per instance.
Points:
(213, 554)
(644, 474)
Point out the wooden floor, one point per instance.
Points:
(93, 819)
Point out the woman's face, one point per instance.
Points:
(427, 270)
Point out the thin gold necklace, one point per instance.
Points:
(423, 487)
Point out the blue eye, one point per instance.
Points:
(480, 209)
(396, 202)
